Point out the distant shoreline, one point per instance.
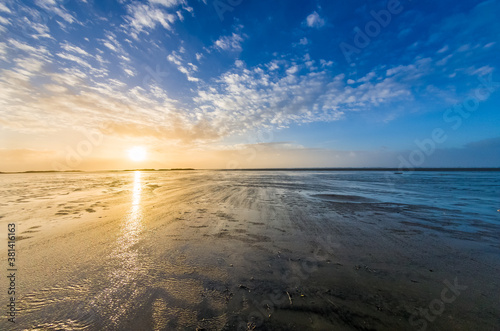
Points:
(363, 169)
(396, 170)
(82, 171)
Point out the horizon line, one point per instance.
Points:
(402, 170)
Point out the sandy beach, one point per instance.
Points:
(256, 250)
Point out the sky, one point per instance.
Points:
(249, 84)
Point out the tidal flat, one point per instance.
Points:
(253, 250)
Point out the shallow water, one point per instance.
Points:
(468, 193)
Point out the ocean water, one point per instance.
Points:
(468, 195)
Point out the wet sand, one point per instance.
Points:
(219, 250)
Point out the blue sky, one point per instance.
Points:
(217, 84)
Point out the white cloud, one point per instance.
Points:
(229, 43)
(444, 60)
(314, 20)
(110, 46)
(484, 70)
(168, 3)
(463, 48)
(186, 68)
(55, 88)
(179, 14)
(367, 78)
(325, 63)
(41, 29)
(75, 49)
(52, 7)
(112, 43)
(70, 77)
(3, 50)
(175, 58)
(444, 49)
(243, 99)
(129, 72)
(96, 72)
(31, 65)
(191, 78)
(74, 58)
(4, 8)
(419, 68)
(273, 65)
(101, 60)
(39, 51)
(144, 17)
(4, 21)
(125, 58)
(292, 70)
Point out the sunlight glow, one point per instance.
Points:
(137, 153)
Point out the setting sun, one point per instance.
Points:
(137, 153)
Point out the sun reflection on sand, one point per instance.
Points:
(128, 268)
(133, 224)
(136, 196)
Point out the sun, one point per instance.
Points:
(137, 153)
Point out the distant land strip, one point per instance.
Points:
(396, 170)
